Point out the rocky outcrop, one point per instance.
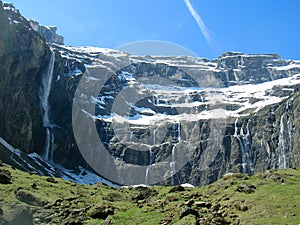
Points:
(47, 32)
(5, 177)
(25, 58)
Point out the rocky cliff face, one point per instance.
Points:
(180, 118)
(47, 32)
(175, 112)
(24, 57)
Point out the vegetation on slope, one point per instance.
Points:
(271, 197)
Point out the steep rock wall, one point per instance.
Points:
(24, 57)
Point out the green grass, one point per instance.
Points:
(274, 201)
(136, 215)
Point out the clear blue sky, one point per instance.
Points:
(250, 26)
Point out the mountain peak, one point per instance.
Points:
(47, 32)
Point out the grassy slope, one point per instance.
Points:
(276, 200)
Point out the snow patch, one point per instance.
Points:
(187, 185)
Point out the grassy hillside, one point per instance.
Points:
(272, 197)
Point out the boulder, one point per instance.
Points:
(176, 189)
(101, 212)
(203, 204)
(5, 177)
(52, 180)
(188, 211)
(144, 193)
(246, 188)
(29, 198)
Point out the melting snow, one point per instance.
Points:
(239, 96)
(83, 177)
(288, 67)
(9, 147)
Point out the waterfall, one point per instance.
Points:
(281, 145)
(131, 135)
(151, 161)
(147, 175)
(154, 137)
(179, 132)
(242, 148)
(227, 76)
(187, 98)
(236, 128)
(123, 153)
(244, 141)
(248, 150)
(44, 93)
(156, 100)
(172, 165)
(106, 130)
(151, 156)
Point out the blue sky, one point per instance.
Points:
(256, 26)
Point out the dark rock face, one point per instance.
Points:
(251, 141)
(24, 56)
(256, 130)
(255, 139)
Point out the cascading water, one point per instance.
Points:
(151, 161)
(173, 159)
(187, 98)
(131, 135)
(172, 165)
(244, 141)
(154, 137)
(172, 162)
(44, 100)
(282, 145)
(236, 128)
(147, 175)
(151, 156)
(179, 132)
